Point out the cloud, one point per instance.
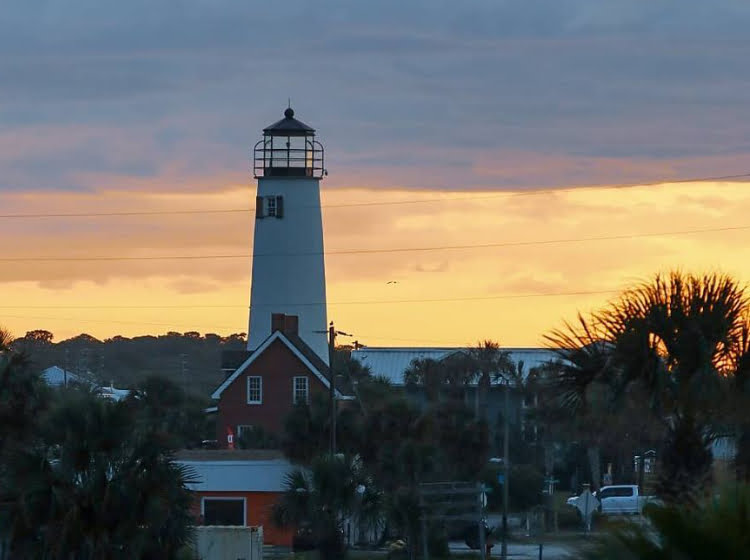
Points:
(417, 95)
(156, 106)
(474, 286)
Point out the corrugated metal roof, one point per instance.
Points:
(229, 455)
(236, 471)
(392, 362)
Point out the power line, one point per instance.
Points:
(511, 194)
(354, 302)
(455, 299)
(551, 190)
(389, 250)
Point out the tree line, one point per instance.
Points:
(190, 359)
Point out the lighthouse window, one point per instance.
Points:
(269, 207)
(301, 390)
(254, 390)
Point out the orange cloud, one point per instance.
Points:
(514, 293)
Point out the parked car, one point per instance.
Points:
(618, 499)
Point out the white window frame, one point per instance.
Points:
(295, 379)
(225, 499)
(260, 389)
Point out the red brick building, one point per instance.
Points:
(269, 381)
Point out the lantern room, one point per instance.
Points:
(288, 149)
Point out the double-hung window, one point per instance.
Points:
(254, 389)
(300, 390)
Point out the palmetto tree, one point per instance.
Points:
(90, 487)
(431, 374)
(580, 384)
(674, 337)
(320, 498)
(491, 364)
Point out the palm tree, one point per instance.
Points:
(739, 392)
(491, 363)
(5, 340)
(88, 487)
(430, 374)
(578, 384)
(675, 338)
(320, 499)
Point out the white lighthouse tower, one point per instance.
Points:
(288, 262)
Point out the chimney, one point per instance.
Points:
(277, 322)
(287, 324)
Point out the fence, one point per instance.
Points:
(229, 543)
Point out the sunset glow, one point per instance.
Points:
(546, 263)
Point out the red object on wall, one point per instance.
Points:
(230, 438)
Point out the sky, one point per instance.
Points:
(497, 166)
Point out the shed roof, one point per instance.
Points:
(236, 471)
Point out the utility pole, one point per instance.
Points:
(506, 471)
(332, 332)
(332, 385)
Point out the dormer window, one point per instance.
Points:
(269, 207)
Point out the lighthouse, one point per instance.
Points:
(288, 275)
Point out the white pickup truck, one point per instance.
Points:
(619, 499)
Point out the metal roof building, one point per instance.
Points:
(392, 362)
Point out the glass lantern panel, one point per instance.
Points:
(309, 148)
(280, 142)
(297, 151)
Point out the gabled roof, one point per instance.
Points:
(55, 376)
(298, 347)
